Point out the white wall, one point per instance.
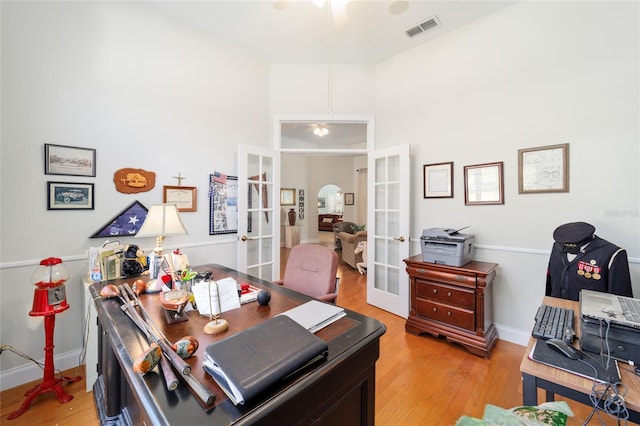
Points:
(534, 74)
(145, 93)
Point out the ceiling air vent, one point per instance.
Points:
(421, 28)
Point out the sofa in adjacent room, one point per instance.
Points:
(327, 220)
(349, 243)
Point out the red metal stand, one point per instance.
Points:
(49, 383)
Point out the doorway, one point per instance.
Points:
(330, 200)
(387, 180)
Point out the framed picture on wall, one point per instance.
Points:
(543, 169)
(69, 196)
(483, 184)
(287, 197)
(348, 198)
(69, 160)
(182, 196)
(438, 180)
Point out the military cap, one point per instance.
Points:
(578, 233)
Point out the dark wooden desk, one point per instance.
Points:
(555, 381)
(340, 391)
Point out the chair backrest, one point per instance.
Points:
(349, 227)
(311, 269)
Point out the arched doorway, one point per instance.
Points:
(330, 200)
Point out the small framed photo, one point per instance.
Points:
(69, 196)
(484, 184)
(69, 160)
(543, 169)
(348, 198)
(182, 196)
(438, 180)
(287, 197)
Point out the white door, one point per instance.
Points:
(258, 232)
(388, 230)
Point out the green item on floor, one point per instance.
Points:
(549, 413)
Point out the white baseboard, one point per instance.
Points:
(28, 373)
(512, 335)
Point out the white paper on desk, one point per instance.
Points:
(206, 295)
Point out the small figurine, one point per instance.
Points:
(362, 248)
(131, 266)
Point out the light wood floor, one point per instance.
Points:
(420, 380)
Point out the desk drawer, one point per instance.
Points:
(444, 313)
(458, 278)
(458, 296)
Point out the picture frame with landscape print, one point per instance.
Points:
(69, 196)
(69, 160)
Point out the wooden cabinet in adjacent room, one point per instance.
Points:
(454, 302)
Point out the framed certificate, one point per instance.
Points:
(182, 196)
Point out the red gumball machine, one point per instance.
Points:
(49, 299)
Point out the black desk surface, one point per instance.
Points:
(345, 338)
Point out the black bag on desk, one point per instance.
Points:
(259, 357)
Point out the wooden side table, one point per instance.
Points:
(454, 302)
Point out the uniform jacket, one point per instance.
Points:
(600, 266)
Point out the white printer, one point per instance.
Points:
(446, 246)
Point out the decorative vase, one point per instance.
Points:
(292, 217)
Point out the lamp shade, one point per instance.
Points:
(162, 220)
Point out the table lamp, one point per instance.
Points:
(162, 220)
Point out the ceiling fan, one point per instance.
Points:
(338, 9)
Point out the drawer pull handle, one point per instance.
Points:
(449, 293)
(435, 290)
(421, 271)
(449, 313)
(435, 309)
(461, 278)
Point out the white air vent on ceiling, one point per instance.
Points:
(426, 25)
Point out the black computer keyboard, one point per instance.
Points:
(553, 322)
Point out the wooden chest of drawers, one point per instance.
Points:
(454, 302)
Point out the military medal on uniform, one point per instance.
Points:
(596, 271)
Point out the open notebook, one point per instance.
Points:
(315, 315)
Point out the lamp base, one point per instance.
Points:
(216, 326)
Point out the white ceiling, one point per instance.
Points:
(301, 33)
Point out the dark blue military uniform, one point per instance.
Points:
(598, 264)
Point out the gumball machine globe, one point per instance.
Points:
(49, 297)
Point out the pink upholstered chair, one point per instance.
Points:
(311, 269)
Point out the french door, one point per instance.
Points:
(258, 229)
(388, 229)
